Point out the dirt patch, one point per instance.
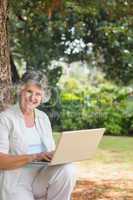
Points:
(103, 190)
(104, 182)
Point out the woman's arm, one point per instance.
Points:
(9, 162)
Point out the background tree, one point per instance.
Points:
(98, 32)
(5, 70)
(33, 39)
(107, 27)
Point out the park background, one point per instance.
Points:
(85, 48)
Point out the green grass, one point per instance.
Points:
(112, 149)
(118, 143)
(115, 149)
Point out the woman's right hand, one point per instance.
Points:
(43, 156)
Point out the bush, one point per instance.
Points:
(71, 117)
(97, 107)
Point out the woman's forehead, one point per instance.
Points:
(32, 87)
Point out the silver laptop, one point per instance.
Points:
(75, 146)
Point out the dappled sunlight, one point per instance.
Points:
(103, 190)
(97, 171)
(108, 175)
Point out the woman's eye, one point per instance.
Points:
(34, 94)
(29, 92)
(38, 94)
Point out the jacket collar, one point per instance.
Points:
(17, 110)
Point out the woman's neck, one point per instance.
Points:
(27, 112)
(29, 117)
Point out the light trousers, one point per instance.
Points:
(52, 183)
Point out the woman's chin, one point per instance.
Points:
(31, 107)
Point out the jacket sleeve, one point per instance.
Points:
(47, 127)
(4, 134)
(51, 134)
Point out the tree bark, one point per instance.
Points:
(5, 69)
(14, 73)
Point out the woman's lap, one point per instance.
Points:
(55, 176)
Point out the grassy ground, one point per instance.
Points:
(112, 149)
(108, 175)
(113, 159)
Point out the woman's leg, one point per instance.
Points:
(55, 182)
(23, 189)
(20, 194)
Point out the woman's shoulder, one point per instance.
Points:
(41, 114)
(7, 116)
(8, 112)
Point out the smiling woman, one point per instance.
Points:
(37, 79)
(31, 97)
(31, 94)
(25, 136)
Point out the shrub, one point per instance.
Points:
(104, 106)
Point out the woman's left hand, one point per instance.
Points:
(45, 156)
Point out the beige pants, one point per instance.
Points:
(53, 183)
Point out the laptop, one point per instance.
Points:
(74, 146)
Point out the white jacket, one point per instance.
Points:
(12, 127)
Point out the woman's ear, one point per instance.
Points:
(22, 87)
(20, 90)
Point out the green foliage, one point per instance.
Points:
(129, 114)
(108, 26)
(34, 38)
(71, 114)
(99, 32)
(104, 106)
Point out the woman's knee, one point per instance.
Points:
(68, 174)
(62, 173)
(69, 170)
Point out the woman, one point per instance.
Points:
(25, 136)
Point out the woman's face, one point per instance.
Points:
(31, 96)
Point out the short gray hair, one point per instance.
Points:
(38, 78)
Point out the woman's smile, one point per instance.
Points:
(31, 96)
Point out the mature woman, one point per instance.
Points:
(25, 136)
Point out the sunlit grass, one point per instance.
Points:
(115, 149)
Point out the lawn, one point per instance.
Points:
(115, 148)
(108, 175)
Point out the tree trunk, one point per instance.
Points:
(14, 73)
(5, 69)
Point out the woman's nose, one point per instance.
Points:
(32, 97)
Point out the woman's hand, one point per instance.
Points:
(44, 156)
